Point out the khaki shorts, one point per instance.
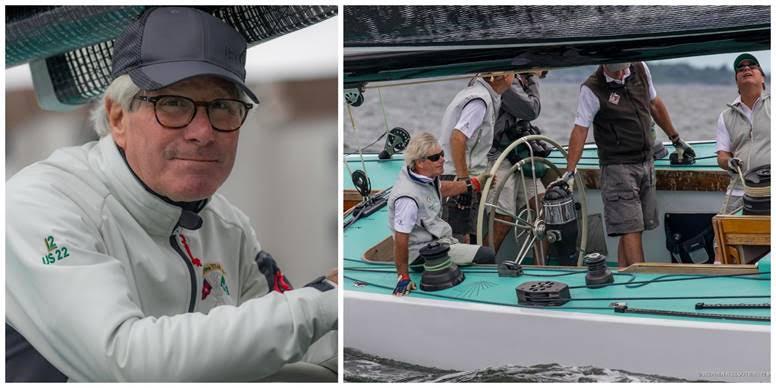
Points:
(629, 197)
(516, 189)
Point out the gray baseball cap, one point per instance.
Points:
(170, 44)
(617, 66)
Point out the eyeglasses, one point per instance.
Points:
(435, 157)
(225, 115)
(743, 66)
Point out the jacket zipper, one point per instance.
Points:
(189, 266)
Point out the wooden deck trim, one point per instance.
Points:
(690, 269)
(671, 180)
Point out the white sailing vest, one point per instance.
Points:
(478, 146)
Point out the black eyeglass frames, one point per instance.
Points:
(224, 114)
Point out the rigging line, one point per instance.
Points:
(655, 298)
(456, 298)
(382, 105)
(355, 129)
(441, 79)
(450, 297)
(660, 279)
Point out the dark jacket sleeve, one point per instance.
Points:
(525, 105)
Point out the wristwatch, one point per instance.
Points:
(321, 284)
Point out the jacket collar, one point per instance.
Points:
(493, 95)
(153, 213)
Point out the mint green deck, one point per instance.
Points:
(482, 284)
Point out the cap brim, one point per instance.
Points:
(745, 57)
(617, 66)
(157, 76)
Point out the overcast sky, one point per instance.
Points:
(764, 57)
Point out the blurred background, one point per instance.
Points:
(285, 177)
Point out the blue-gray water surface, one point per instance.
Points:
(694, 110)
(361, 367)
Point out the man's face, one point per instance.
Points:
(618, 75)
(503, 83)
(748, 74)
(431, 168)
(184, 164)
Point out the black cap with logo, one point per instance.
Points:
(170, 44)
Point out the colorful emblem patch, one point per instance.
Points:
(54, 252)
(214, 284)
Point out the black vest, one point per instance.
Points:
(621, 126)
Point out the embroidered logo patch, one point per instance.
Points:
(214, 285)
(614, 98)
(54, 252)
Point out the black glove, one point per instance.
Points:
(735, 164)
(682, 147)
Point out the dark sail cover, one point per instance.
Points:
(74, 44)
(397, 42)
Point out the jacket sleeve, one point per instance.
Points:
(80, 312)
(523, 106)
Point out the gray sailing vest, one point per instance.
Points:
(430, 226)
(749, 141)
(479, 144)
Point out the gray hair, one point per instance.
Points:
(418, 148)
(122, 90)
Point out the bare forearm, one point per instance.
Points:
(452, 188)
(659, 112)
(723, 158)
(458, 148)
(401, 252)
(576, 145)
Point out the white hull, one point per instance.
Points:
(466, 336)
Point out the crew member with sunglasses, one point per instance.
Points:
(415, 210)
(744, 129)
(123, 264)
(466, 136)
(620, 102)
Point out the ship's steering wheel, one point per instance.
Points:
(528, 224)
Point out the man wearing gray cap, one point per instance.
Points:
(744, 129)
(620, 101)
(123, 264)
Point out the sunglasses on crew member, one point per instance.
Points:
(435, 157)
(742, 66)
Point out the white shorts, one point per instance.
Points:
(516, 189)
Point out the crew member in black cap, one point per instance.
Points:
(620, 101)
(744, 129)
(123, 264)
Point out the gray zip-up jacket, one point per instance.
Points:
(750, 141)
(103, 282)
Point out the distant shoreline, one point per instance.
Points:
(681, 74)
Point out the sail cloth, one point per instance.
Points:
(69, 47)
(400, 42)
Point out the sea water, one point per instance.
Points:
(361, 367)
(693, 108)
